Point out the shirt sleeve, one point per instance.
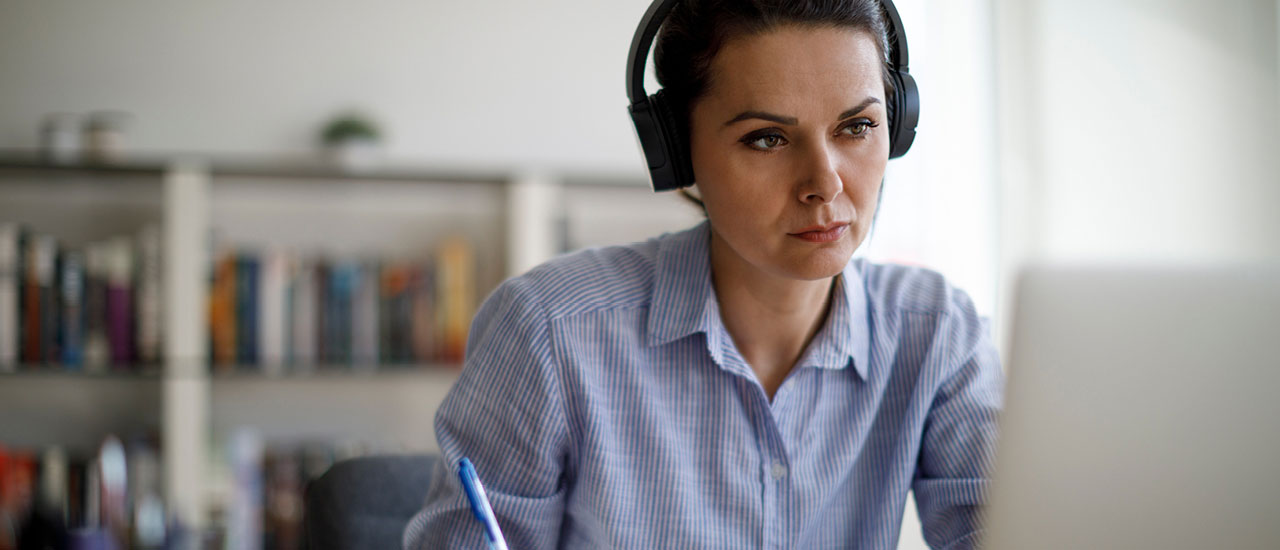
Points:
(959, 432)
(505, 413)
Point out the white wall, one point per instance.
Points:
(1141, 129)
(939, 206)
(503, 82)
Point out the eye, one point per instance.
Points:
(764, 142)
(858, 128)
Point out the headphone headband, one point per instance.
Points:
(897, 53)
(640, 43)
(662, 137)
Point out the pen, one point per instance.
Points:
(480, 504)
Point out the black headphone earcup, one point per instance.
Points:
(676, 138)
(904, 113)
(662, 141)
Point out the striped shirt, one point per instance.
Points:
(605, 405)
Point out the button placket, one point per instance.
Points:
(778, 471)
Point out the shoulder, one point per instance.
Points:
(587, 280)
(918, 307)
(895, 290)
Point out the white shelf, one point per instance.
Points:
(74, 409)
(515, 220)
(80, 208)
(305, 207)
(389, 408)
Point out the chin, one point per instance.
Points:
(822, 264)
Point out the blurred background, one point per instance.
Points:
(252, 234)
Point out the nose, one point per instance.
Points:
(820, 183)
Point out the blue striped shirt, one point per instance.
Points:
(605, 405)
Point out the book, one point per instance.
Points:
(18, 479)
(71, 309)
(222, 311)
(148, 296)
(113, 495)
(323, 312)
(247, 309)
(422, 312)
(39, 301)
(271, 329)
(54, 482)
(339, 311)
(284, 502)
(395, 314)
(456, 262)
(303, 313)
(244, 513)
(145, 494)
(10, 287)
(97, 352)
(282, 311)
(119, 303)
(364, 337)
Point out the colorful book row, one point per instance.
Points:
(113, 499)
(57, 500)
(94, 308)
(278, 311)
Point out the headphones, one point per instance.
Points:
(663, 139)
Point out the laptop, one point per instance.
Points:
(1142, 411)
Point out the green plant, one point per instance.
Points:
(349, 127)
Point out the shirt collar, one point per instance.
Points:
(846, 336)
(684, 304)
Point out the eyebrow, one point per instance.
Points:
(858, 108)
(792, 121)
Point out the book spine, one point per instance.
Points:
(423, 314)
(244, 517)
(39, 338)
(97, 351)
(149, 296)
(402, 317)
(303, 356)
(290, 288)
(247, 312)
(341, 297)
(53, 482)
(391, 287)
(323, 313)
(73, 310)
(285, 490)
(271, 331)
(456, 293)
(120, 316)
(30, 332)
(49, 268)
(222, 308)
(9, 290)
(365, 316)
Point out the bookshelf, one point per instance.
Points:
(514, 220)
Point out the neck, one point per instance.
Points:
(771, 318)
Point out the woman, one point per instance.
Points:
(744, 383)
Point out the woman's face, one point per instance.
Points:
(789, 145)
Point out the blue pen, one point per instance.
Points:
(480, 504)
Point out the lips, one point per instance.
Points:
(821, 233)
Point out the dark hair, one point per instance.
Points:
(695, 30)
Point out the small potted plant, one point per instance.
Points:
(352, 141)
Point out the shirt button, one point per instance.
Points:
(779, 471)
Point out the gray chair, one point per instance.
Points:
(366, 502)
